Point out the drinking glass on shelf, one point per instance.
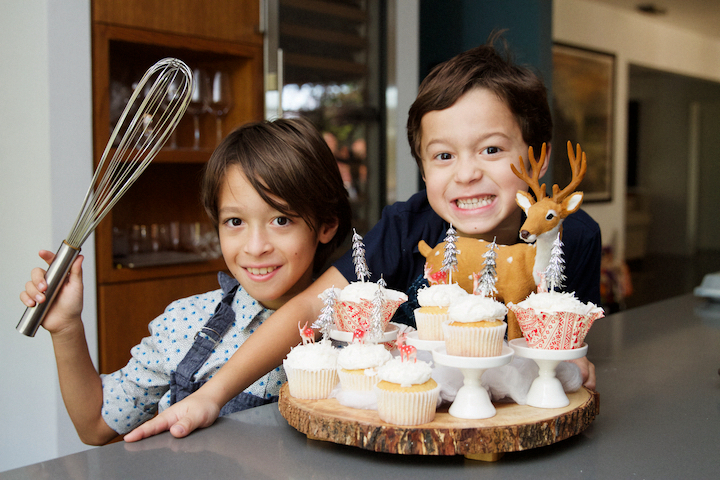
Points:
(220, 99)
(198, 102)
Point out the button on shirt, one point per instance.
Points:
(133, 394)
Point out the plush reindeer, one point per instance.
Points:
(519, 267)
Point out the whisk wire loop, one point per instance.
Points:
(151, 115)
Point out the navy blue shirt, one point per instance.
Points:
(391, 250)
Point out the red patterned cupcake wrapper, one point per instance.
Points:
(554, 330)
(349, 316)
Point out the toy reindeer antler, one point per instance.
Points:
(534, 180)
(578, 166)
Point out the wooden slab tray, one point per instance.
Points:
(514, 427)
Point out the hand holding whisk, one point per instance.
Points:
(157, 112)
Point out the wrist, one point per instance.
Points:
(70, 331)
(216, 392)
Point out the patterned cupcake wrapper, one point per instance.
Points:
(429, 325)
(407, 408)
(474, 341)
(349, 316)
(310, 384)
(554, 330)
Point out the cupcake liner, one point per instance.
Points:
(349, 316)
(355, 381)
(554, 330)
(407, 408)
(474, 341)
(429, 325)
(310, 384)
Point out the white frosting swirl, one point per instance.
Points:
(357, 291)
(441, 295)
(405, 373)
(313, 356)
(476, 308)
(363, 355)
(556, 302)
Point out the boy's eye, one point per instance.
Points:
(282, 221)
(443, 156)
(233, 222)
(492, 150)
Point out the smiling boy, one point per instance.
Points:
(474, 116)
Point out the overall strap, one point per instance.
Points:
(207, 338)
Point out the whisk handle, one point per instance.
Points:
(56, 273)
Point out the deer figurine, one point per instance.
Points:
(407, 352)
(306, 334)
(519, 267)
(359, 335)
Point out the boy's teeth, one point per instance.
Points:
(260, 271)
(469, 203)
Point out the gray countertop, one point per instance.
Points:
(657, 369)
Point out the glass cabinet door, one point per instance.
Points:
(324, 61)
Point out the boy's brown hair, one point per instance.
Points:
(287, 159)
(483, 67)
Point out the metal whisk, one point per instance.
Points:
(149, 118)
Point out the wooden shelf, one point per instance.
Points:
(179, 155)
(128, 37)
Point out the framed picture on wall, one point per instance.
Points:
(582, 105)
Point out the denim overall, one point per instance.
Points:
(183, 381)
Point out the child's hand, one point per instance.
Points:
(587, 370)
(181, 419)
(68, 303)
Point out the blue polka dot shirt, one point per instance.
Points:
(133, 394)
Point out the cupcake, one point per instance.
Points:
(406, 393)
(554, 320)
(311, 370)
(476, 327)
(358, 364)
(354, 305)
(434, 302)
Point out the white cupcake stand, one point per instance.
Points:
(472, 400)
(546, 391)
(467, 428)
(390, 334)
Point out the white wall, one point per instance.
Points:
(634, 39)
(45, 168)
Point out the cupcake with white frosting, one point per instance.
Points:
(555, 320)
(434, 302)
(311, 370)
(358, 364)
(406, 393)
(354, 305)
(476, 327)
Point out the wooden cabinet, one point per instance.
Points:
(142, 262)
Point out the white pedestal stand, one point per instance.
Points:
(390, 334)
(546, 390)
(472, 400)
(429, 345)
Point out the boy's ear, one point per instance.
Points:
(327, 231)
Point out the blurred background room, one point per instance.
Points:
(636, 83)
